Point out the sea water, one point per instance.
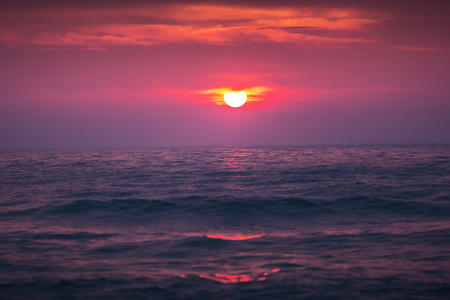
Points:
(226, 223)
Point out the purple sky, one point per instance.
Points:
(133, 74)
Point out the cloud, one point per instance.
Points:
(103, 27)
(413, 48)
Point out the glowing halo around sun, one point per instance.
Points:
(235, 99)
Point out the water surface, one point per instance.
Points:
(226, 223)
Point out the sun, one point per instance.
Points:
(235, 99)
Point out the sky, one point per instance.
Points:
(107, 73)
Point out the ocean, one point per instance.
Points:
(368, 222)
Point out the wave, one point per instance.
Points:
(229, 206)
(224, 286)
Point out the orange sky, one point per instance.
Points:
(114, 73)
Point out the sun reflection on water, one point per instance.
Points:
(228, 278)
(233, 237)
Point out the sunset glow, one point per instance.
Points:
(235, 98)
(99, 73)
(248, 149)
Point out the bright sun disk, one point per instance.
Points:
(235, 99)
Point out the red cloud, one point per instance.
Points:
(179, 24)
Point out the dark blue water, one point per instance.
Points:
(258, 223)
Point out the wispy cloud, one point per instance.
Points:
(181, 24)
(414, 48)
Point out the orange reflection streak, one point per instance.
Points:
(234, 238)
(224, 278)
(227, 278)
